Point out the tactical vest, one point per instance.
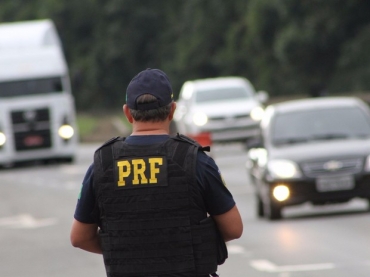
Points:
(153, 222)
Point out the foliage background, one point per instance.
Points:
(285, 47)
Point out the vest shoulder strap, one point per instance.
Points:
(110, 141)
(181, 137)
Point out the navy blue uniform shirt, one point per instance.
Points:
(218, 199)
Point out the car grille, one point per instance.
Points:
(329, 167)
(31, 129)
(224, 118)
(228, 123)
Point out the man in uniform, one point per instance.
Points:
(154, 205)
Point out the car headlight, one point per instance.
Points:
(283, 169)
(281, 192)
(66, 131)
(259, 155)
(200, 119)
(367, 164)
(257, 113)
(2, 138)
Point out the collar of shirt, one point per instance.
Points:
(146, 140)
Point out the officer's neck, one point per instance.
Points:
(150, 128)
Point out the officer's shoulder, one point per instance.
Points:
(110, 141)
(186, 139)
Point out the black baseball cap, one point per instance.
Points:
(149, 81)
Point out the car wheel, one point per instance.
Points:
(260, 209)
(273, 211)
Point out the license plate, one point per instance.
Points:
(335, 183)
(33, 141)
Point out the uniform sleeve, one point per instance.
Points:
(218, 198)
(86, 199)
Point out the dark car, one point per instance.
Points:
(311, 150)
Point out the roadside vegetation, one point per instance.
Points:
(98, 127)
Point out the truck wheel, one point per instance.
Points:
(66, 160)
(69, 160)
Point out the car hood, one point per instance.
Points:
(316, 150)
(225, 108)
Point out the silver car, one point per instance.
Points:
(226, 107)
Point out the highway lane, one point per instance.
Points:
(37, 204)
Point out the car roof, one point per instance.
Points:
(315, 103)
(210, 83)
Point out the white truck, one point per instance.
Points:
(37, 112)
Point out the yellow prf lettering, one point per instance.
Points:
(122, 174)
(139, 169)
(154, 170)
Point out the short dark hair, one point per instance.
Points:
(154, 115)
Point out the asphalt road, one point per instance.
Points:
(37, 205)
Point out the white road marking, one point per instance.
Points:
(267, 266)
(26, 221)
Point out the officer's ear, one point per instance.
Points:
(173, 108)
(127, 113)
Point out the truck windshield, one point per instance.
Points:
(30, 87)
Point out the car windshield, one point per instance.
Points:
(222, 94)
(320, 124)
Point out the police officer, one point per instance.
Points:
(154, 205)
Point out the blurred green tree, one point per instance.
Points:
(285, 47)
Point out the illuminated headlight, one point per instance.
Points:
(2, 138)
(283, 169)
(200, 119)
(66, 131)
(367, 163)
(257, 113)
(281, 192)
